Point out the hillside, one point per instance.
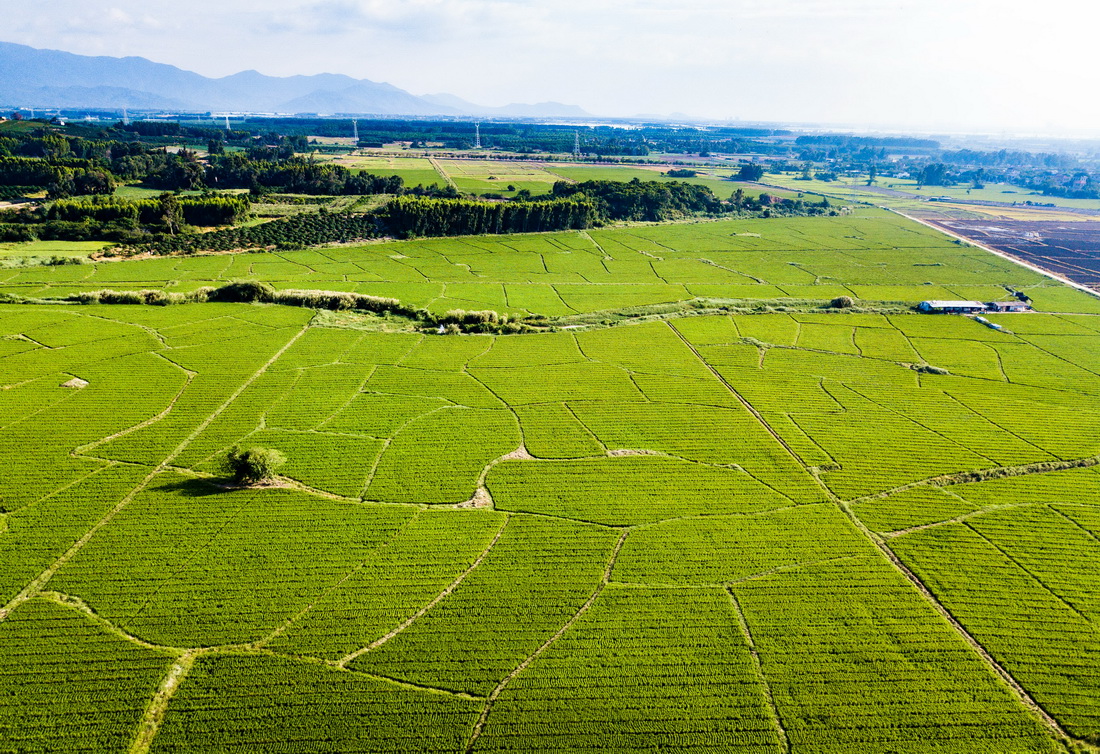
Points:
(31, 77)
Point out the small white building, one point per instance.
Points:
(1008, 306)
(951, 307)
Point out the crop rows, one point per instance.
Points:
(857, 661)
(631, 267)
(550, 430)
(392, 584)
(626, 491)
(644, 669)
(1021, 581)
(437, 458)
(261, 703)
(221, 569)
(533, 581)
(680, 559)
(720, 549)
(66, 685)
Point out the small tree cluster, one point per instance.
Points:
(253, 465)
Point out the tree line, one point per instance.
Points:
(568, 207)
(408, 217)
(103, 218)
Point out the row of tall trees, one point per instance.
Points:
(128, 222)
(638, 200)
(406, 217)
(207, 211)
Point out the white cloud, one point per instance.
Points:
(114, 21)
(976, 61)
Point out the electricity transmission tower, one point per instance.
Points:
(477, 135)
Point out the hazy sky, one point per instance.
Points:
(1003, 65)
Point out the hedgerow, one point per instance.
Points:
(286, 233)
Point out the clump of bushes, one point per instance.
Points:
(485, 321)
(463, 317)
(842, 302)
(1043, 467)
(338, 301)
(253, 465)
(108, 297)
(454, 321)
(154, 297)
(59, 261)
(929, 369)
(252, 292)
(245, 292)
(15, 232)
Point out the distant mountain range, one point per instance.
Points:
(47, 79)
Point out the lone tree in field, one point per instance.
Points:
(254, 465)
(750, 173)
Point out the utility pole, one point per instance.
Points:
(576, 145)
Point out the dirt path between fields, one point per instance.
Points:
(752, 409)
(880, 543)
(154, 713)
(345, 660)
(37, 584)
(495, 693)
(443, 173)
(743, 624)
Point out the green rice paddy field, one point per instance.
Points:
(744, 533)
(496, 175)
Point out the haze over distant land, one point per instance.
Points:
(49, 79)
(996, 65)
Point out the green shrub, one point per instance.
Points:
(244, 292)
(110, 297)
(929, 369)
(59, 261)
(157, 297)
(338, 301)
(463, 317)
(253, 465)
(14, 232)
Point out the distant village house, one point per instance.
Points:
(1008, 306)
(971, 307)
(951, 307)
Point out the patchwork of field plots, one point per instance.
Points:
(751, 532)
(872, 257)
(479, 176)
(909, 192)
(414, 171)
(718, 180)
(496, 176)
